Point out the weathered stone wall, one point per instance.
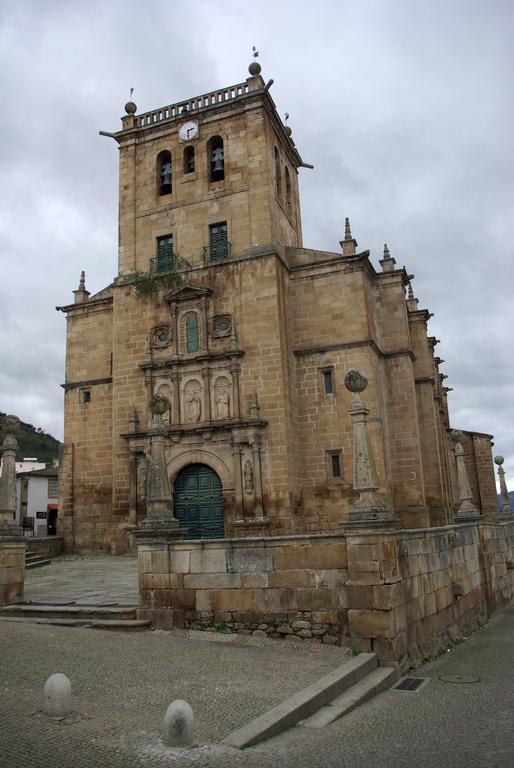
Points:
(280, 586)
(453, 577)
(49, 546)
(403, 594)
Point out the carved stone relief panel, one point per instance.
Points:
(166, 391)
(221, 326)
(161, 337)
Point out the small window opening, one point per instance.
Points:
(216, 156)
(192, 335)
(278, 174)
(335, 465)
(165, 258)
(289, 199)
(86, 395)
(218, 241)
(164, 172)
(328, 382)
(189, 160)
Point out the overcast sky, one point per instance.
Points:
(404, 107)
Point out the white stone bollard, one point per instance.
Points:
(177, 726)
(57, 696)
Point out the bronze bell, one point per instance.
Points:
(217, 159)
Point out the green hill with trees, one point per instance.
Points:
(34, 442)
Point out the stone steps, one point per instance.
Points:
(35, 561)
(349, 684)
(72, 614)
(374, 682)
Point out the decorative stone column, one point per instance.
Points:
(506, 509)
(8, 526)
(467, 510)
(369, 508)
(12, 544)
(235, 370)
(132, 516)
(206, 378)
(177, 417)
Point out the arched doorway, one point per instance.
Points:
(198, 502)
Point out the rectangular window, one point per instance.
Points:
(334, 465)
(52, 489)
(218, 241)
(328, 381)
(165, 259)
(85, 395)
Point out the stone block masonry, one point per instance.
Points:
(403, 594)
(279, 586)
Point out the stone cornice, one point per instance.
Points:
(352, 344)
(86, 383)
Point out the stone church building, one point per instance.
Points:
(219, 307)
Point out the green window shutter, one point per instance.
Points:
(219, 241)
(164, 253)
(192, 339)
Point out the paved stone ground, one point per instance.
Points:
(86, 579)
(123, 683)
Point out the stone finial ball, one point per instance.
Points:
(130, 108)
(158, 404)
(457, 435)
(355, 380)
(499, 460)
(178, 725)
(11, 424)
(254, 69)
(288, 131)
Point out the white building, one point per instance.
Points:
(37, 500)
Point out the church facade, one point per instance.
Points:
(219, 307)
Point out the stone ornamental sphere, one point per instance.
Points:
(130, 108)
(158, 404)
(499, 460)
(457, 435)
(355, 380)
(254, 69)
(11, 424)
(288, 131)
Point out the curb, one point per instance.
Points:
(302, 704)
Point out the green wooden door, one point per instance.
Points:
(198, 502)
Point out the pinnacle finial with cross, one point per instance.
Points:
(255, 52)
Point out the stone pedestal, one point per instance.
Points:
(12, 569)
(157, 530)
(377, 617)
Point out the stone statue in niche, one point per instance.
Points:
(222, 404)
(141, 477)
(248, 476)
(193, 406)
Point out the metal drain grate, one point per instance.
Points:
(411, 684)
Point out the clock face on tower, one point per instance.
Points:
(188, 131)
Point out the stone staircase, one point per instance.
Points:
(33, 560)
(112, 616)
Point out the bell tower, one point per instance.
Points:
(207, 179)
